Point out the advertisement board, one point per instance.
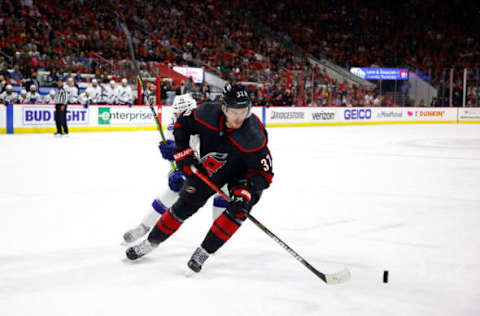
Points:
(195, 73)
(356, 115)
(469, 115)
(38, 118)
(448, 115)
(412, 115)
(28, 118)
(313, 116)
(123, 116)
(323, 114)
(380, 73)
(3, 119)
(44, 115)
(280, 116)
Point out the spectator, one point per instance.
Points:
(378, 101)
(16, 75)
(189, 85)
(368, 99)
(3, 63)
(181, 90)
(261, 99)
(3, 84)
(164, 91)
(52, 78)
(205, 91)
(32, 80)
(287, 98)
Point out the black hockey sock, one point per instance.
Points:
(222, 229)
(166, 226)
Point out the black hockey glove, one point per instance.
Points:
(240, 203)
(185, 158)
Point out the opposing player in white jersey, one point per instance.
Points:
(9, 96)
(49, 98)
(33, 96)
(109, 95)
(22, 97)
(72, 91)
(124, 94)
(176, 178)
(94, 93)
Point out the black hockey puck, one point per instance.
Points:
(385, 276)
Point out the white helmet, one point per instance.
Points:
(182, 103)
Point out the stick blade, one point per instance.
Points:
(338, 277)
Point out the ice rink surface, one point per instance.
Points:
(403, 198)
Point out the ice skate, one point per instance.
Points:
(140, 250)
(198, 259)
(134, 234)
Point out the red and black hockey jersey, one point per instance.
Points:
(227, 154)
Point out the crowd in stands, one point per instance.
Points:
(73, 37)
(428, 36)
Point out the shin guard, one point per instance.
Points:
(166, 226)
(222, 229)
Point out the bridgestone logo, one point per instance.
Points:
(287, 115)
(323, 116)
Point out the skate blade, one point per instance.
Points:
(189, 273)
(127, 244)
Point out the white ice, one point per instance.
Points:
(402, 198)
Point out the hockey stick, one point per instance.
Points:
(139, 77)
(331, 278)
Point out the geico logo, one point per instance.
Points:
(47, 115)
(358, 114)
(318, 116)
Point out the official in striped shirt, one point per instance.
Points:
(61, 100)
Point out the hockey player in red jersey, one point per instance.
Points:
(233, 147)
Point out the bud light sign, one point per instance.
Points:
(45, 115)
(380, 73)
(357, 114)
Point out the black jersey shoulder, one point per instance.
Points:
(208, 114)
(251, 136)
